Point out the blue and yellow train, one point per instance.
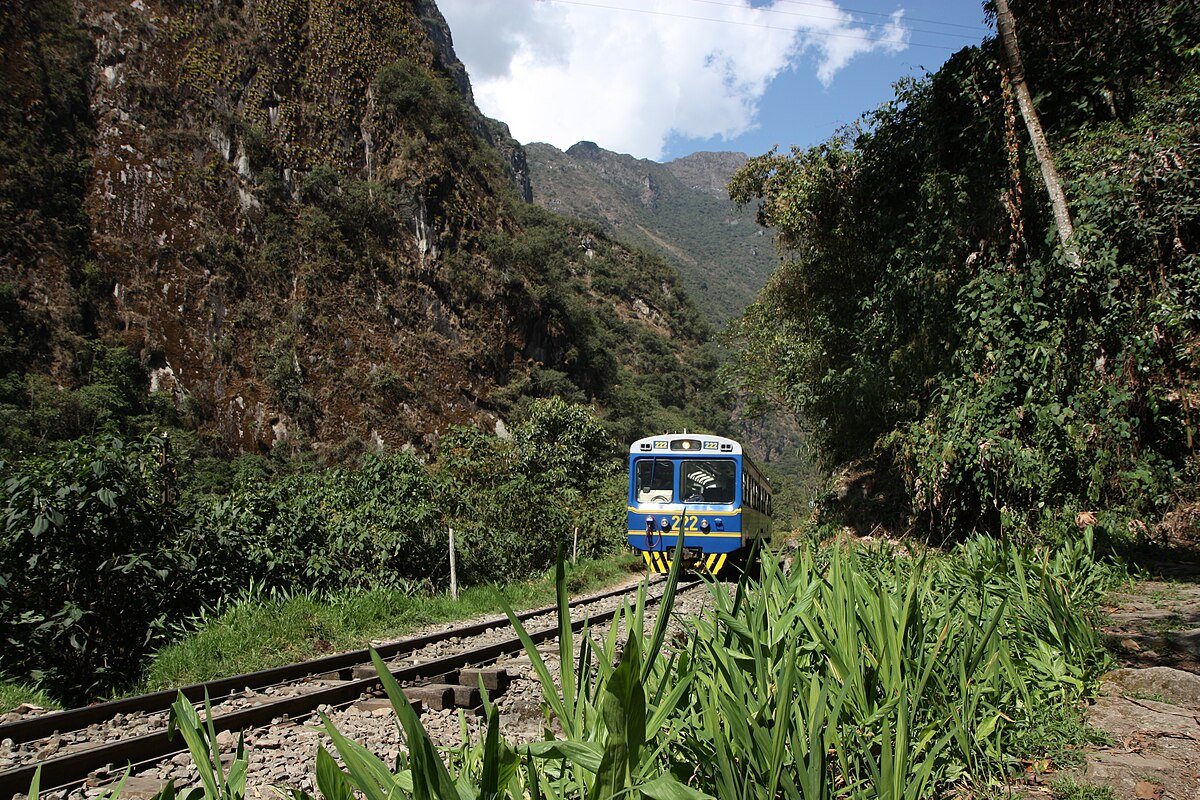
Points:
(699, 492)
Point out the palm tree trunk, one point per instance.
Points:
(1041, 149)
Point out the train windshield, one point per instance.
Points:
(655, 480)
(708, 481)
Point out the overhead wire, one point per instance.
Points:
(861, 38)
(976, 28)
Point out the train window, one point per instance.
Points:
(708, 481)
(655, 480)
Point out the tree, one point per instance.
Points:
(899, 329)
(1041, 148)
(567, 438)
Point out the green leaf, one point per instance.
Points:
(624, 711)
(666, 787)
(36, 783)
(665, 605)
(489, 784)
(330, 779)
(429, 775)
(587, 755)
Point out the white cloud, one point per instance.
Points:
(838, 40)
(628, 74)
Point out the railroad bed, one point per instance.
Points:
(82, 750)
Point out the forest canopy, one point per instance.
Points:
(926, 319)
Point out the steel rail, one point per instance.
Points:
(41, 726)
(73, 768)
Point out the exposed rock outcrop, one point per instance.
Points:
(291, 212)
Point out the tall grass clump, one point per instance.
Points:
(855, 675)
(269, 628)
(614, 707)
(846, 674)
(849, 674)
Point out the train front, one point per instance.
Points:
(685, 487)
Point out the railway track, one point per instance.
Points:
(246, 702)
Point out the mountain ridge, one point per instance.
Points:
(679, 207)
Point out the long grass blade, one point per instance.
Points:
(665, 604)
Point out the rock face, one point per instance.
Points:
(707, 172)
(1155, 749)
(1150, 713)
(680, 209)
(492, 131)
(1172, 685)
(288, 210)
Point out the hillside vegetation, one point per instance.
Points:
(301, 230)
(681, 212)
(679, 209)
(275, 313)
(927, 323)
(110, 545)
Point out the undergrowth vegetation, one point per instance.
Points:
(850, 673)
(263, 629)
(14, 694)
(106, 548)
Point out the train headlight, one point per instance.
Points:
(704, 527)
(665, 524)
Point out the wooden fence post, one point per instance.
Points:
(453, 569)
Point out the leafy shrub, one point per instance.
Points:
(90, 563)
(512, 503)
(106, 394)
(104, 518)
(518, 501)
(341, 528)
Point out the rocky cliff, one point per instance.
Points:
(294, 216)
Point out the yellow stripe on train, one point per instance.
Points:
(659, 562)
(694, 512)
(692, 534)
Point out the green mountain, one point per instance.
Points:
(680, 209)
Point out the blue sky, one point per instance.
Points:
(798, 109)
(661, 79)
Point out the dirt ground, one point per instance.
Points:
(1150, 704)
